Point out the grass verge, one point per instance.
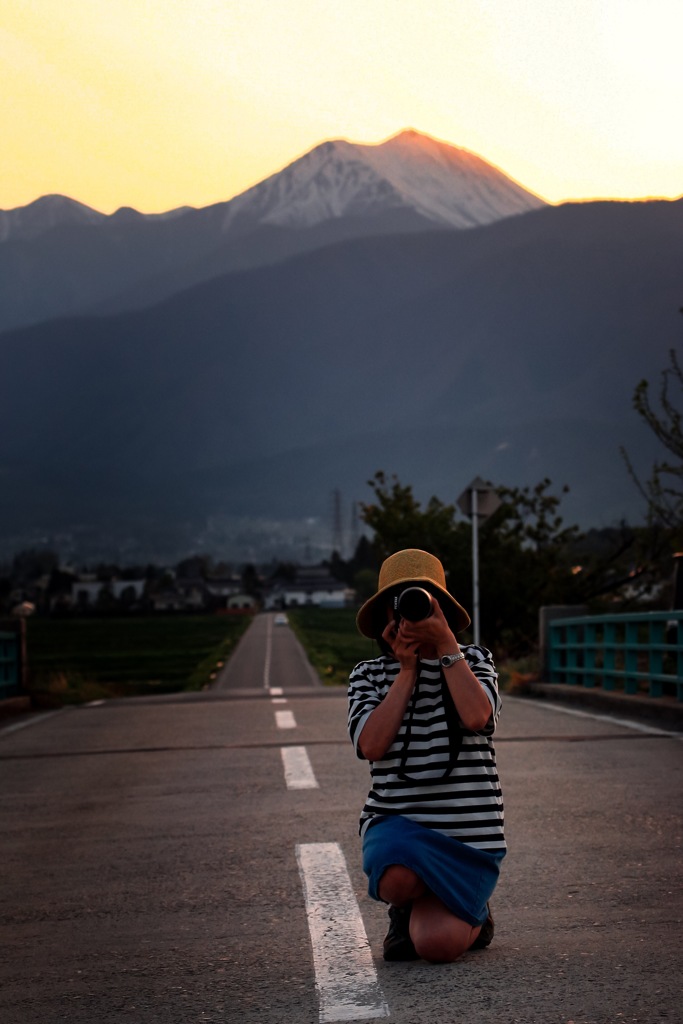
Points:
(76, 660)
(331, 640)
(334, 645)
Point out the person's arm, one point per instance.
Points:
(381, 727)
(470, 698)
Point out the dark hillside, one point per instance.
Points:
(509, 351)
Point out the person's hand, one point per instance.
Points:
(405, 652)
(433, 631)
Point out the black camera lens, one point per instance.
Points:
(414, 604)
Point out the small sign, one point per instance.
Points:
(488, 501)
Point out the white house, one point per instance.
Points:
(311, 586)
(87, 592)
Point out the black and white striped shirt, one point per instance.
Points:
(435, 772)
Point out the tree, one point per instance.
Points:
(194, 567)
(250, 580)
(365, 584)
(663, 492)
(33, 563)
(525, 563)
(525, 553)
(399, 521)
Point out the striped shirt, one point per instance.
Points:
(435, 772)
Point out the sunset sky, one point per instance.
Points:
(161, 103)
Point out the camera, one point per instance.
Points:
(413, 603)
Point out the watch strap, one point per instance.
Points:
(450, 659)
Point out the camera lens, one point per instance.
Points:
(414, 604)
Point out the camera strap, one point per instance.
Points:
(455, 732)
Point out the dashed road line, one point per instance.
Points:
(298, 769)
(345, 974)
(285, 720)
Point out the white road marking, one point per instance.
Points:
(33, 720)
(276, 691)
(298, 769)
(345, 974)
(285, 720)
(278, 700)
(626, 723)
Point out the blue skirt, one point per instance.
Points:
(461, 876)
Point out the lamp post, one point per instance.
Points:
(478, 501)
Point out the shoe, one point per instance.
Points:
(397, 944)
(485, 936)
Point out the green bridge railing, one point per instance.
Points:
(635, 653)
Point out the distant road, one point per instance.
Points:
(268, 655)
(186, 860)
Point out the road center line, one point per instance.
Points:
(285, 720)
(345, 974)
(298, 768)
(275, 691)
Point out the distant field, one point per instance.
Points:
(334, 646)
(71, 660)
(332, 642)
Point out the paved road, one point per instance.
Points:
(268, 655)
(150, 871)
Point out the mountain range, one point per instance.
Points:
(403, 307)
(60, 257)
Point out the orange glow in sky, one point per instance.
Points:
(163, 103)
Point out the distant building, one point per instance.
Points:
(223, 587)
(312, 585)
(168, 600)
(87, 592)
(242, 602)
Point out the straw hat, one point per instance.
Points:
(410, 566)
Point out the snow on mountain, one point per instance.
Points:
(447, 183)
(45, 213)
(444, 184)
(448, 186)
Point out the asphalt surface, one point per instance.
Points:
(149, 867)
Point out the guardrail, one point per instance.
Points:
(637, 653)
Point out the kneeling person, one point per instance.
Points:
(423, 714)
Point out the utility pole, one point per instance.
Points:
(354, 528)
(478, 501)
(337, 538)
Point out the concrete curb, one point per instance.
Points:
(666, 712)
(10, 706)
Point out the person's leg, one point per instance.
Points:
(437, 934)
(400, 886)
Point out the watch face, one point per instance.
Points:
(450, 659)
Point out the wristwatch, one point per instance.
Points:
(450, 659)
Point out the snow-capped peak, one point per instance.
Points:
(442, 183)
(410, 172)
